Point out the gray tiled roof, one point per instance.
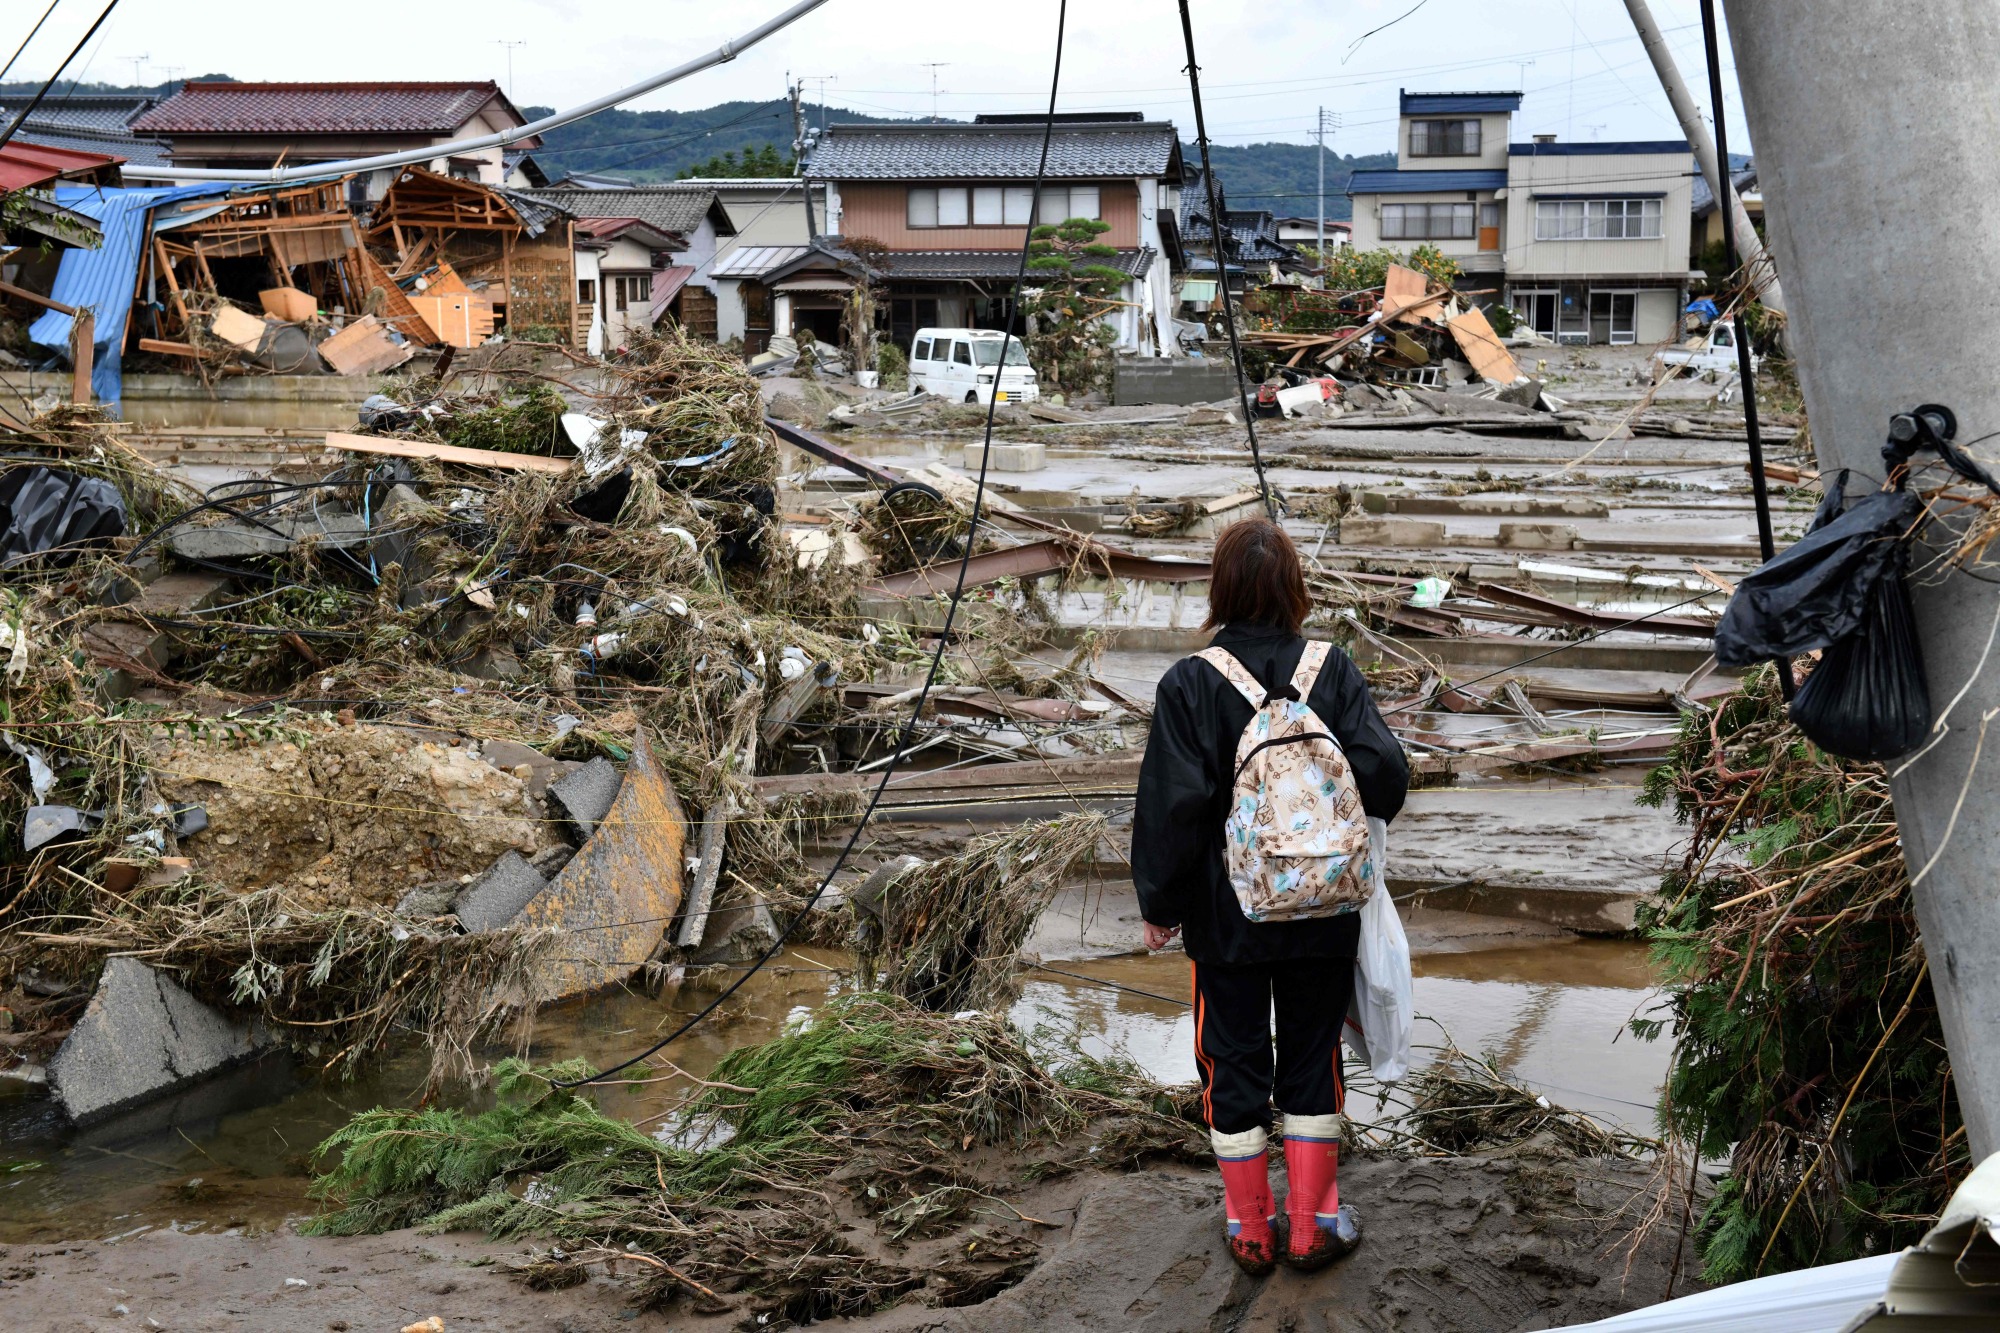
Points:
(136, 152)
(676, 208)
(89, 111)
(994, 152)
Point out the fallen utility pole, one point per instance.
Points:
(1820, 129)
(1736, 217)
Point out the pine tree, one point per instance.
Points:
(1068, 340)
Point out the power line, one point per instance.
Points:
(37, 99)
(4, 71)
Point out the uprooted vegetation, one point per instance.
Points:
(1808, 1050)
(915, 1126)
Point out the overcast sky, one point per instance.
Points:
(1266, 67)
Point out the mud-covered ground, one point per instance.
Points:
(1487, 1243)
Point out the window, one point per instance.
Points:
(923, 208)
(586, 291)
(988, 206)
(1020, 200)
(922, 351)
(1598, 219)
(987, 351)
(953, 210)
(961, 353)
(630, 291)
(1427, 222)
(1063, 203)
(1444, 138)
(1489, 215)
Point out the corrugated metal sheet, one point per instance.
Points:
(754, 261)
(103, 279)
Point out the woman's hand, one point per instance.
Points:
(1159, 937)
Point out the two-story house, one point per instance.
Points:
(938, 215)
(215, 124)
(1587, 241)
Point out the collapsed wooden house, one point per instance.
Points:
(441, 260)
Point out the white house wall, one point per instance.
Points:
(1611, 176)
(1368, 227)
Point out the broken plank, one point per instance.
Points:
(445, 453)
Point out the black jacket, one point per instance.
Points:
(1198, 717)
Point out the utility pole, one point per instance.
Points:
(934, 66)
(796, 90)
(1748, 244)
(1328, 120)
(1877, 333)
(510, 62)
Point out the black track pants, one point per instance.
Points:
(1233, 1007)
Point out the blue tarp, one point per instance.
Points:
(104, 279)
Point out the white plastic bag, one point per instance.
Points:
(1381, 1017)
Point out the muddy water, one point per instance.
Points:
(234, 1154)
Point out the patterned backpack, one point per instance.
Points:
(1296, 840)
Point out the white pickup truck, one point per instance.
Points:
(1714, 350)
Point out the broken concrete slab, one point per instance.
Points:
(497, 897)
(614, 900)
(141, 1037)
(1390, 532)
(1030, 457)
(588, 794)
(1538, 536)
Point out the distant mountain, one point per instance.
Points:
(658, 145)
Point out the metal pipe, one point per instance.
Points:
(410, 157)
(1875, 126)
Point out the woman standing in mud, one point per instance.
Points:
(1245, 968)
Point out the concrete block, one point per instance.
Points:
(1538, 536)
(498, 896)
(141, 1037)
(585, 796)
(1390, 532)
(1030, 457)
(1177, 380)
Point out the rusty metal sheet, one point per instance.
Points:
(615, 898)
(1034, 559)
(831, 452)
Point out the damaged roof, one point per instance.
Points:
(324, 108)
(679, 208)
(1077, 151)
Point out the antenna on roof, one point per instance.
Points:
(138, 77)
(501, 41)
(934, 66)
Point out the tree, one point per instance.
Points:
(1068, 340)
(1352, 270)
(760, 162)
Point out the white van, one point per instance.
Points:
(960, 364)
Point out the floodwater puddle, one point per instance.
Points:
(234, 1153)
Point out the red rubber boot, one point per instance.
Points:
(1246, 1195)
(1321, 1230)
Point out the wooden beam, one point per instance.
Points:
(83, 353)
(42, 301)
(445, 453)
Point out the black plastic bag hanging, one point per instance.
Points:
(1822, 589)
(1867, 698)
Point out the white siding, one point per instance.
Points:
(1605, 176)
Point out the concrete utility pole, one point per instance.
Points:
(796, 91)
(1327, 120)
(1879, 194)
(1720, 185)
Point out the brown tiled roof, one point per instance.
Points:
(321, 108)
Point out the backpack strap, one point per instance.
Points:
(1235, 673)
(1310, 665)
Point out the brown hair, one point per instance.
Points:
(1256, 578)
